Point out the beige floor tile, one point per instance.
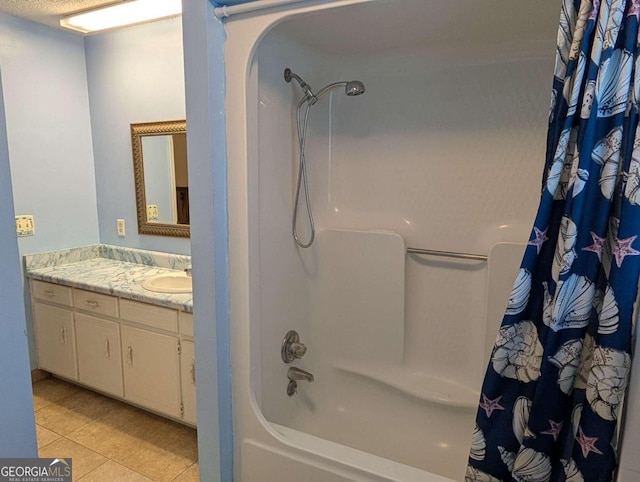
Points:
(83, 459)
(151, 445)
(45, 436)
(111, 472)
(51, 390)
(72, 412)
(192, 474)
(125, 425)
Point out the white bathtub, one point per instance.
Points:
(444, 151)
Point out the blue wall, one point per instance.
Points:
(16, 417)
(134, 75)
(206, 140)
(49, 133)
(49, 137)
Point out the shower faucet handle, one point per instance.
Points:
(291, 348)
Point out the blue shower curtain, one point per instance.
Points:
(550, 401)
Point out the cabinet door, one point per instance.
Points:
(99, 357)
(151, 370)
(55, 340)
(188, 376)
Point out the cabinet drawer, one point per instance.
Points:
(51, 292)
(150, 315)
(95, 302)
(185, 320)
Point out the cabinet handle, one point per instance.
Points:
(192, 370)
(49, 293)
(63, 336)
(108, 349)
(93, 304)
(130, 355)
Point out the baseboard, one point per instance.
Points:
(37, 375)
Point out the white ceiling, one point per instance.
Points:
(48, 12)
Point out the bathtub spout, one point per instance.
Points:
(297, 374)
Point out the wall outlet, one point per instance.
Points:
(120, 227)
(152, 213)
(25, 226)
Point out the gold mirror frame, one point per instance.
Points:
(138, 131)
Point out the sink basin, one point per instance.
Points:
(168, 283)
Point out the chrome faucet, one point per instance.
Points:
(298, 374)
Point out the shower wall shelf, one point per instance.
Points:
(447, 254)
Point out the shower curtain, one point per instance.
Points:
(549, 407)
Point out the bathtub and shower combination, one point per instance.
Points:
(442, 151)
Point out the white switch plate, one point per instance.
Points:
(25, 226)
(120, 227)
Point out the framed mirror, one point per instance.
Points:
(161, 177)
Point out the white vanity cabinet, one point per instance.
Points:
(152, 370)
(55, 339)
(134, 351)
(99, 354)
(188, 377)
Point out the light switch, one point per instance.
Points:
(25, 226)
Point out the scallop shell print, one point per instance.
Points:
(521, 412)
(520, 293)
(508, 458)
(531, 466)
(554, 175)
(635, 91)
(587, 99)
(518, 352)
(607, 154)
(607, 381)
(569, 167)
(586, 359)
(609, 22)
(560, 171)
(608, 313)
(571, 305)
(565, 253)
(567, 360)
(575, 419)
(612, 86)
(478, 444)
(477, 475)
(632, 186)
(573, 84)
(565, 35)
(571, 472)
(583, 18)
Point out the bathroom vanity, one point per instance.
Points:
(96, 325)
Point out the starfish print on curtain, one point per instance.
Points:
(559, 369)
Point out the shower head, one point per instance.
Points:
(351, 88)
(355, 87)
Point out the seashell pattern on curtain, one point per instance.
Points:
(551, 398)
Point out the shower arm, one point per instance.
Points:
(325, 90)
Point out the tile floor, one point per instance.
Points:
(109, 440)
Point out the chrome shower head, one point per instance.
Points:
(351, 88)
(355, 87)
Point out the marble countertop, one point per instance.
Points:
(114, 277)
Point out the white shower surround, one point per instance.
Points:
(445, 149)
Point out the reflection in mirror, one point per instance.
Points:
(161, 173)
